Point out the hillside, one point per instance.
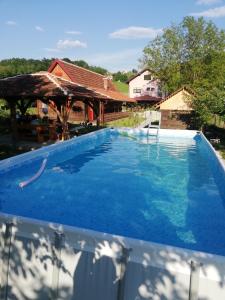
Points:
(122, 87)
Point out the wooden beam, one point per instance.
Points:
(101, 112)
(12, 105)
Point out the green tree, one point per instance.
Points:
(192, 54)
(16, 66)
(119, 76)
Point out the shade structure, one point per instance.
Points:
(44, 85)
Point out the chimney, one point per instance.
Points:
(106, 83)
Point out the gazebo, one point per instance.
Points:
(59, 94)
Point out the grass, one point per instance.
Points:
(221, 149)
(122, 87)
(214, 132)
(132, 121)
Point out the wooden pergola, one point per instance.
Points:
(60, 94)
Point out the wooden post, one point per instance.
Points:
(86, 117)
(99, 113)
(103, 113)
(12, 105)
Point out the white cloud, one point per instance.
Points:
(211, 13)
(51, 50)
(11, 23)
(74, 32)
(39, 28)
(134, 32)
(208, 2)
(68, 44)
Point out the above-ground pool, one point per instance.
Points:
(168, 190)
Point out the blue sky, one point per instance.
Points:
(111, 34)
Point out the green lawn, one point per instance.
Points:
(213, 132)
(122, 87)
(132, 121)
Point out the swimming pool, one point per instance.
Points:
(168, 190)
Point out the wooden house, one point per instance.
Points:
(82, 112)
(176, 109)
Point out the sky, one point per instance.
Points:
(110, 34)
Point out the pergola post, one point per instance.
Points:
(102, 112)
(95, 107)
(86, 117)
(12, 105)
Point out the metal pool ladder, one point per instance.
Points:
(154, 116)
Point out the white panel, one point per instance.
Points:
(87, 278)
(148, 282)
(30, 270)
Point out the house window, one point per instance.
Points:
(147, 77)
(152, 89)
(136, 91)
(148, 89)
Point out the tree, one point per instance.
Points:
(119, 76)
(192, 54)
(16, 66)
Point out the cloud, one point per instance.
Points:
(68, 44)
(211, 13)
(133, 32)
(39, 28)
(51, 50)
(11, 23)
(74, 32)
(208, 2)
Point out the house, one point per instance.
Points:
(145, 88)
(88, 79)
(180, 100)
(176, 109)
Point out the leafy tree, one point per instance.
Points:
(192, 54)
(15, 66)
(119, 76)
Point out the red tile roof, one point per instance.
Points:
(81, 75)
(114, 95)
(46, 85)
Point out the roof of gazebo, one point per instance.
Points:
(45, 85)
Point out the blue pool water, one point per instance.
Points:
(165, 191)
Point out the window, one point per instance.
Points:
(152, 89)
(147, 77)
(137, 91)
(148, 89)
